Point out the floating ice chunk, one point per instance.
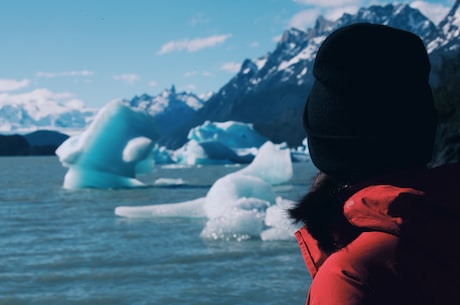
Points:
(236, 205)
(90, 178)
(280, 227)
(271, 164)
(301, 153)
(191, 153)
(237, 224)
(219, 142)
(162, 155)
(232, 134)
(240, 205)
(169, 182)
(187, 209)
(110, 151)
(137, 149)
(227, 192)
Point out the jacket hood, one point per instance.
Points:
(420, 206)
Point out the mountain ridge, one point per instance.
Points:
(285, 79)
(270, 91)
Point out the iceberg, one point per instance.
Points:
(116, 146)
(240, 205)
(273, 164)
(220, 142)
(186, 209)
(301, 153)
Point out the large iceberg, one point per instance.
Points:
(111, 151)
(217, 142)
(239, 205)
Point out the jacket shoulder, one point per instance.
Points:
(361, 273)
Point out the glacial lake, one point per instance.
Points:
(63, 247)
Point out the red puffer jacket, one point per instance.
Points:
(408, 251)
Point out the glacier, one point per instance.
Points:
(121, 142)
(220, 142)
(240, 205)
(117, 145)
(223, 143)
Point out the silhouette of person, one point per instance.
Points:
(380, 226)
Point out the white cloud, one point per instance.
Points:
(254, 44)
(199, 19)
(304, 19)
(192, 45)
(231, 67)
(334, 9)
(190, 73)
(65, 73)
(435, 11)
(206, 73)
(277, 38)
(42, 96)
(75, 104)
(153, 83)
(129, 78)
(196, 73)
(12, 84)
(337, 12)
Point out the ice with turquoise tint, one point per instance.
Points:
(109, 153)
(239, 205)
(220, 142)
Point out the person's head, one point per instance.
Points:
(370, 109)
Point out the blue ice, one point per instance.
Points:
(240, 205)
(111, 151)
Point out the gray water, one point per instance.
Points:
(67, 247)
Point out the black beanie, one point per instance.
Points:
(370, 109)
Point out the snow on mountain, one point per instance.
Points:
(451, 24)
(168, 100)
(270, 91)
(400, 16)
(448, 39)
(42, 109)
(170, 109)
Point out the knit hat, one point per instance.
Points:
(370, 109)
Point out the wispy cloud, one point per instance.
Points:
(42, 97)
(128, 78)
(199, 19)
(197, 73)
(277, 38)
(254, 44)
(334, 9)
(192, 45)
(231, 67)
(435, 11)
(153, 83)
(65, 73)
(335, 13)
(304, 19)
(12, 84)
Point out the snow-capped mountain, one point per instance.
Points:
(270, 91)
(42, 109)
(170, 109)
(448, 37)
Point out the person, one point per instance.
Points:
(380, 226)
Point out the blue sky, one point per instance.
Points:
(93, 51)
